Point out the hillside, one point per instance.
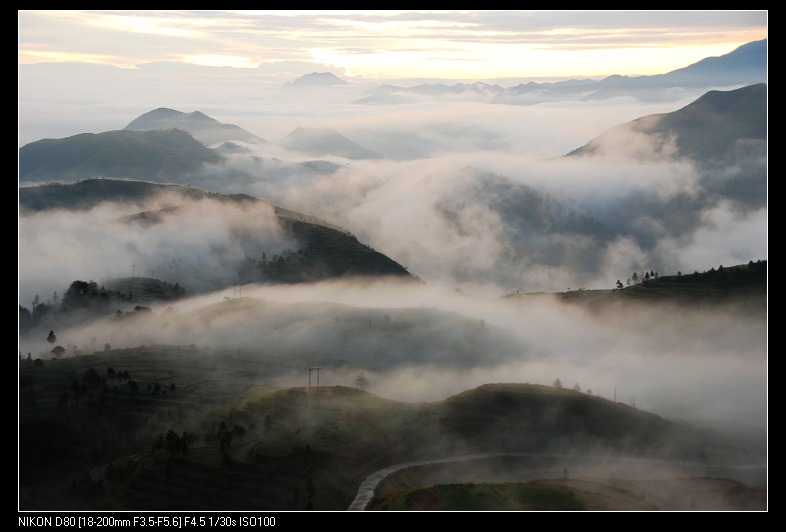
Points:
(265, 243)
(252, 448)
(573, 494)
(712, 127)
(123, 154)
(252, 444)
(742, 287)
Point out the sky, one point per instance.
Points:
(394, 44)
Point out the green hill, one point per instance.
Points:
(123, 154)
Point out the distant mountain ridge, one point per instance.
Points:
(392, 94)
(205, 129)
(316, 79)
(746, 65)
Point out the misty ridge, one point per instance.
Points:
(431, 236)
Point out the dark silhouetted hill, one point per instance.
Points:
(123, 154)
(713, 127)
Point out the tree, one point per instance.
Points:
(361, 381)
(173, 443)
(557, 384)
(92, 380)
(619, 285)
(576, 387)
(51, 338)
(25, 318)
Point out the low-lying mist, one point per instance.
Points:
(418, 343)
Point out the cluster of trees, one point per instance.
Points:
(758, 267)
(289, 266)
(637, 278)
(361, 381)
(173, 443)
(86, 296)
(576, 388)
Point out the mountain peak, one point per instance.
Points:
(317, 79)
(204, 128)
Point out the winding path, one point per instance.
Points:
(367, 488)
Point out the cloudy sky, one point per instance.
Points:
(395, 44)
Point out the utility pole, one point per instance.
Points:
(133, 270)
(309, 375)
(238, 289)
